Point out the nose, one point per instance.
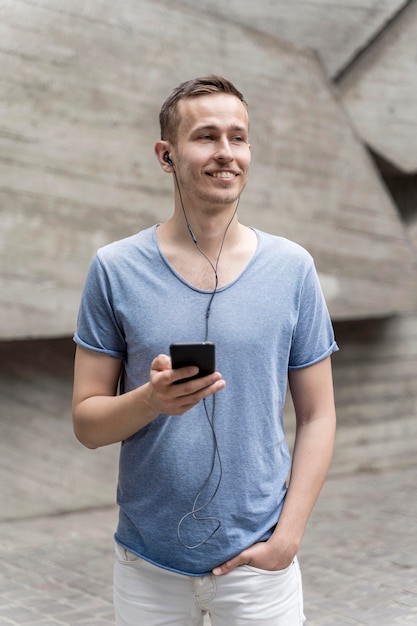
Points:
(224, 150)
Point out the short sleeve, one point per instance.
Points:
(97, 326)
(313, 338)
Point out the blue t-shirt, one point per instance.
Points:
(271, 318)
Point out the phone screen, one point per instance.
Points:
(200, 354)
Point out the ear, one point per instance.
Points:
(161, 149)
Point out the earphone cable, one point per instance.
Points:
(216, 452)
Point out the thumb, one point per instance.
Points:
(161, 362)
(230, 565)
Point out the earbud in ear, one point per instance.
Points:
(167, 159)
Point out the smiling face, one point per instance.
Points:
(212, 152)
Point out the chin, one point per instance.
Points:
(223, 201)
(227, 197)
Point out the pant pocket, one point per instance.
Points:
(125, 557)
(265, 572)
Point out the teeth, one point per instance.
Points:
(223, 175)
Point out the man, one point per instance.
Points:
(206, 521)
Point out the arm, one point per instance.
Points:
(101, 417)
(312, 393)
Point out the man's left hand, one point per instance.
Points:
(260, 555)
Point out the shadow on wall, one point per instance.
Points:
(45, 470)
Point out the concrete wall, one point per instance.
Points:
(79, 99)
(80, 92)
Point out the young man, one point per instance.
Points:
(206, 521)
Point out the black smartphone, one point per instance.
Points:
(200, 354)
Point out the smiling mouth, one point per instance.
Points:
(222, 175)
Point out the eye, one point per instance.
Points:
(239, 139)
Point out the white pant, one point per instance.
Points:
(146, 595)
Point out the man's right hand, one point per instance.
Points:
(175, 399)
(102, 417)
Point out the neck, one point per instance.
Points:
(205, 226)
(222, 250)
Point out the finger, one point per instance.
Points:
(201, 387)
(183, 373)
(230, 565)
(188, 400)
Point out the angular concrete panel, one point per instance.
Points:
(380, 93)
(336, 29)
(80, 97)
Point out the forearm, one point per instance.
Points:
(313, 450)
(312, 393)
(102, 417)
(102, 420)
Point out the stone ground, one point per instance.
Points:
(359, 559)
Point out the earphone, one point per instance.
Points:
(168, 159)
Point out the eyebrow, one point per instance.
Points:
(235, 127)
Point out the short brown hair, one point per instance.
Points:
(169, 117)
